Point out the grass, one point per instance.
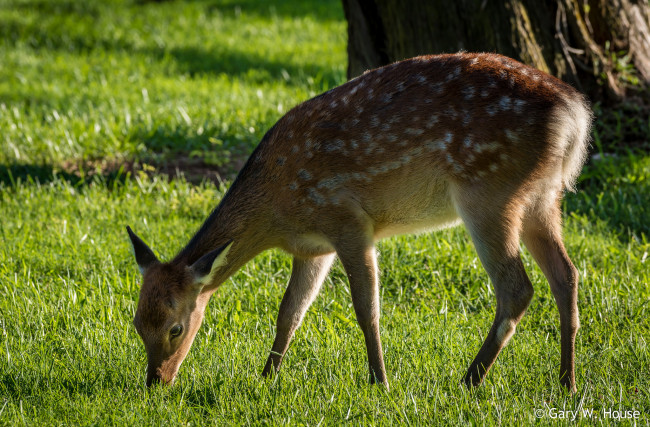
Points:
(217, 74)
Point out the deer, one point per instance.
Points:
(418, 145)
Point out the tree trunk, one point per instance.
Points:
(579, 41)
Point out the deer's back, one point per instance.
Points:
(392, 141)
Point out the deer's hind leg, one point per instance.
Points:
(307, 276)
(494, 224)
(542, 235)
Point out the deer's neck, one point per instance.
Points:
(242, 217)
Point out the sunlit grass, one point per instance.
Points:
(86, 80)
(72, 356)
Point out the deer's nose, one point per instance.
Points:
(153, 378)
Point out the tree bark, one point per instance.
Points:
(579, 41)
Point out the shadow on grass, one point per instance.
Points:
(113, 173)
(59, 7)
(614, 190)
(17, 174)
(195, 61)
(51, 35)
(320, 10)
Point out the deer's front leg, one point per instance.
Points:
(360, 263)
(307, 277)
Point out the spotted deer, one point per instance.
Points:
(418, 145)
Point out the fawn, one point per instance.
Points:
(421, 144)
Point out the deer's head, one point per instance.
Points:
(171, 306)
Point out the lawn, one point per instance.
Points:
(89, 86)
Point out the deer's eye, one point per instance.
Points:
(176, 331)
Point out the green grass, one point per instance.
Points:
(71, 88)
(86, 80)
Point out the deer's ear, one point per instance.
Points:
(144, 256)
(203, 270)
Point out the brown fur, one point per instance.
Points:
(417, 145)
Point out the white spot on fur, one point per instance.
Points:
(293, 186)
(335, 145)
(491, 110)
(411, 131)
(505, 103)
(468, 92)
(439, 144)
(467, 142)
(511, 135)
(294, 149)
(454, 74)
(360, 176)
(332, 183)
(494, 167)
(519, 106)
(304, 174)
(491, 146)
(391, 137)
(316, 197)
(405, 159)
(432, 121)
(467, 117)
